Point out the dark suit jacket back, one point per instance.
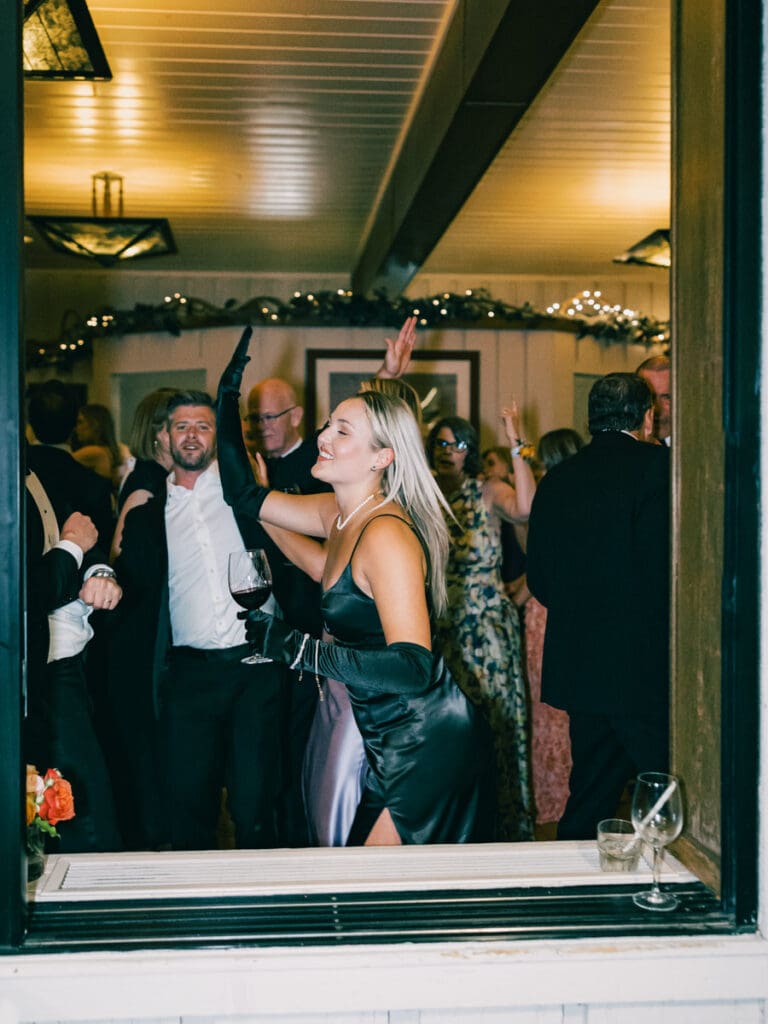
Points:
(70, 484)
(598, 559)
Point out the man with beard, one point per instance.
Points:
(219, 717)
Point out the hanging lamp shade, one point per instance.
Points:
(59, 40)
(106, 239)
(652, 251)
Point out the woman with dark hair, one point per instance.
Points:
(479, 633)
(550, 742)
(557, 445)
(134, 752)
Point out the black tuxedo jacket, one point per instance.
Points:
(598, 559)
(70, 484)
(53, 580)
(143, 620)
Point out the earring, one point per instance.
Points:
(374, 468)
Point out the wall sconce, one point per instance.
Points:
(106, 239)
(60, 41)
(652, 251)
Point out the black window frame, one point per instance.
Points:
(448, 915)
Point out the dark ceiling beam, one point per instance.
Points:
(495, 58)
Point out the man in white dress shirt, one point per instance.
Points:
(219, 717)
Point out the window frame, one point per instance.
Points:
(442, 915)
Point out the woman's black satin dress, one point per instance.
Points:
(429, 754)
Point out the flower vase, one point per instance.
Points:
(35, 853)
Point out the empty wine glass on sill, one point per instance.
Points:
(657, 815)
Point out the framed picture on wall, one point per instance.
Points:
(447, 383)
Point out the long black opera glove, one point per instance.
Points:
(232, 377)
(240, 489)
(398, 668)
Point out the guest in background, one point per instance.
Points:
(550, 742)
(67, 580)
(656, 372)
(598, 560)
(134, 747)
(148, 444)
(52, 412)
(556, 445)
(497, 465)
(94, 444)
(479, 632)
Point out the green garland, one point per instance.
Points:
(475, 308)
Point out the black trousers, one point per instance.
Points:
(76, 751)
(220, 726)
(608, 751)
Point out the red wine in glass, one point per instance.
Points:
(250, 584)
(252, 598)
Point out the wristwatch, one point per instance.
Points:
(104, 572)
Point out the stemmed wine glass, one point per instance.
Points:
(657, 815)
(250, 583)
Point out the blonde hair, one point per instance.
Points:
(408, 481)
(148, 420)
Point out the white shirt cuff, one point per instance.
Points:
(74, 549)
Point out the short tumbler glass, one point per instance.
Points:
(618, 845)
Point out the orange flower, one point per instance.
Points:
(57, 802)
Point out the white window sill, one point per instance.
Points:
(135, 876)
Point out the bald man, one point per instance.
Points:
(655, 371)
(273, 420)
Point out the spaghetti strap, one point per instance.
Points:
(383, 515)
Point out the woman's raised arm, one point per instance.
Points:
(303, 513)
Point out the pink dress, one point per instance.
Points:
(550, 742)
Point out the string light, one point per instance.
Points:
(587, 313)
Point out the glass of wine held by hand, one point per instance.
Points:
(250, 584)
(657, 815)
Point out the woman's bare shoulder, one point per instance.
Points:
(386, 535)
(95, 457)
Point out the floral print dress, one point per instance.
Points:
(479, 637)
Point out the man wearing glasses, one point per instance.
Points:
(274, 417)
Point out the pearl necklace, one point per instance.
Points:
(341, 523)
